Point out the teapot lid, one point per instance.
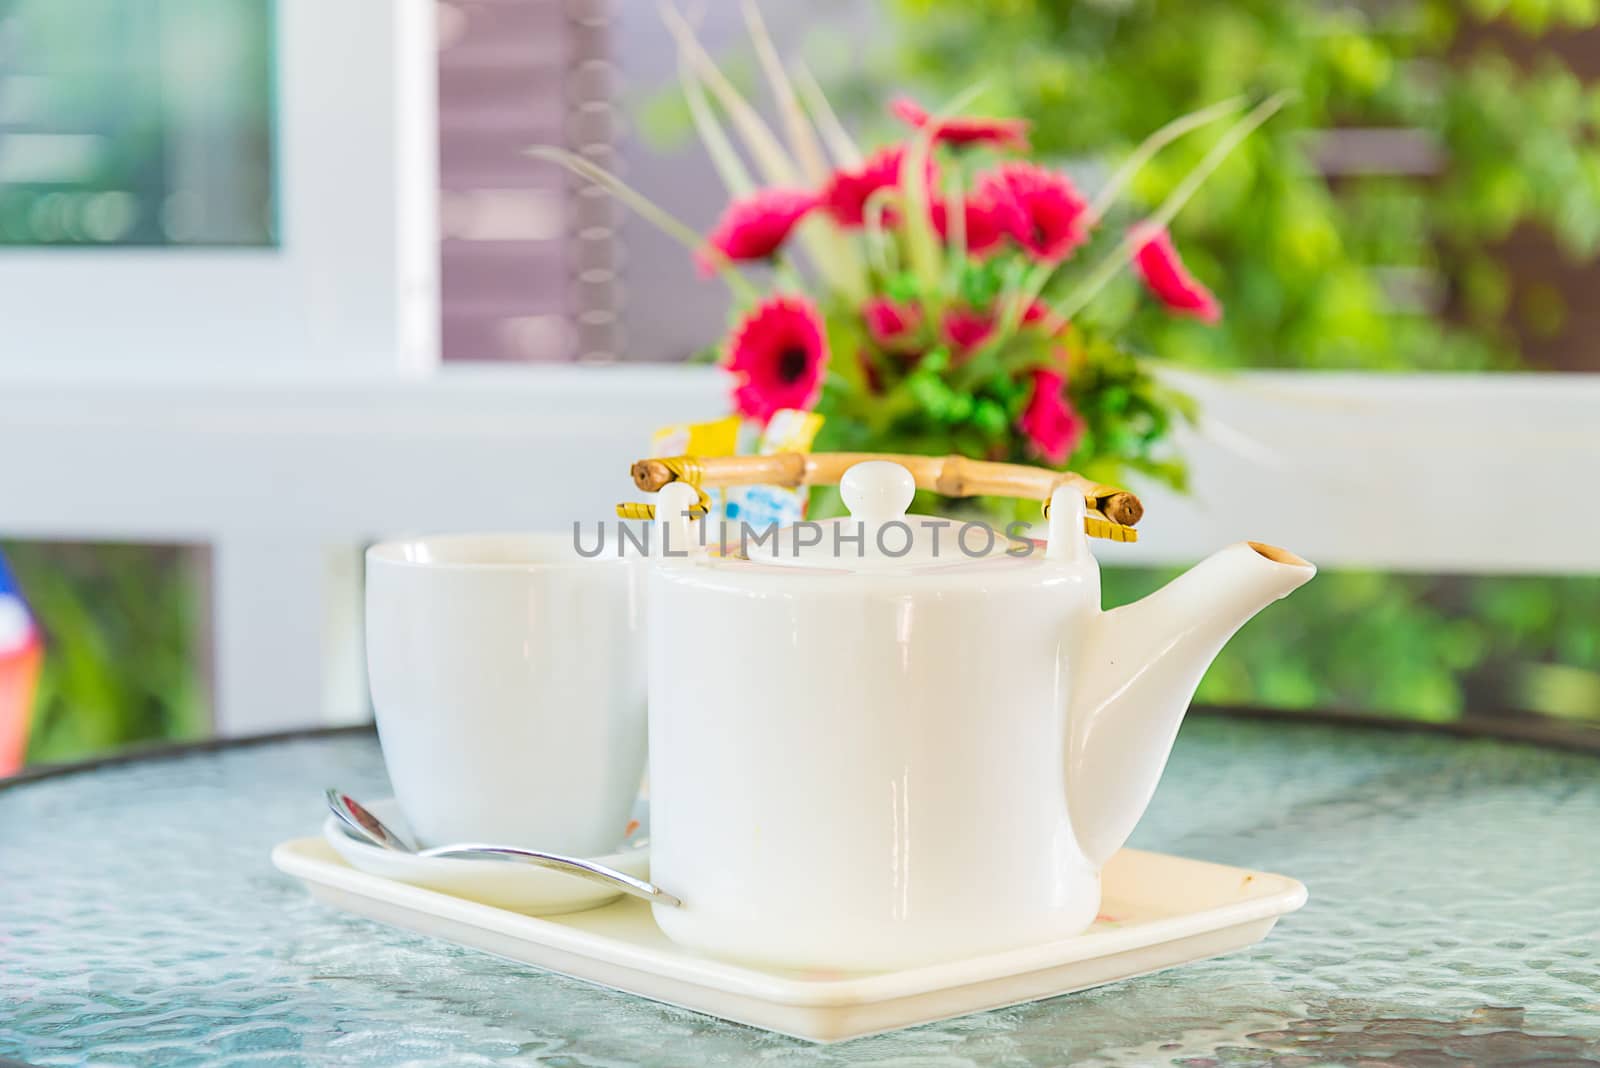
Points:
(878, 535)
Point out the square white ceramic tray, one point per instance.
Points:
(1158, 911)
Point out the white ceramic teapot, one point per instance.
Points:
(862, 758)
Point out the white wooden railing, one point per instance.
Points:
(286, 481)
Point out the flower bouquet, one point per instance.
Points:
(926, 296)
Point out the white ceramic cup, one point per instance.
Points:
(508, 679)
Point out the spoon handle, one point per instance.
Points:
(583, 869)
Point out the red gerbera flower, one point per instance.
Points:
(966, 329)
(891, 323)
(846, 194)
(845, 197)
(990, 219)
(1157, 262)
(756, 227)
(1049, 422)
(1049, 208)
(959, 130)
(779, 353)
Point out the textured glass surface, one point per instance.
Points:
(1454, 919)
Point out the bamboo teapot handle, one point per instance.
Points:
(1112, 512)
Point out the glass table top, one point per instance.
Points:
(1454, 919)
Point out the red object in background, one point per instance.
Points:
(1052, 426)
(754, 228)
(780, 351)
(847, 192)
(1165, 275)
(19, 678)
(21, 653)
(1050, 211)
(964, 129)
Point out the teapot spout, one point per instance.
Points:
(1140, 666)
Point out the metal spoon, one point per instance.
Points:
(369, 828)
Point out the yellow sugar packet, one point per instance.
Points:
(719, 437)
(789, 430)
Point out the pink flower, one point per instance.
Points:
(845, 197)
(965, 330)
(1157, 262)
(847, 192)
(779, 353)
(1049, 208)
(891, 323)
(1049, 422)
(989, 218)
(756, 227)
(959, 130)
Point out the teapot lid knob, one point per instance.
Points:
(877, 491)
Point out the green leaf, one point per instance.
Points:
(923, 248)
(847, 340)
(902, 288)
(990, 416)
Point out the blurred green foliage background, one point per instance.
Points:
(1324, 261)
(1429, 647)
(1362, 270)
(1350, 269)
(124, 630)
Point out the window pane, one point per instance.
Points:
(136, 122)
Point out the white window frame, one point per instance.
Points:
(351, 287)
(1492, 473)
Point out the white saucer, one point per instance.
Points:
(503, 884)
